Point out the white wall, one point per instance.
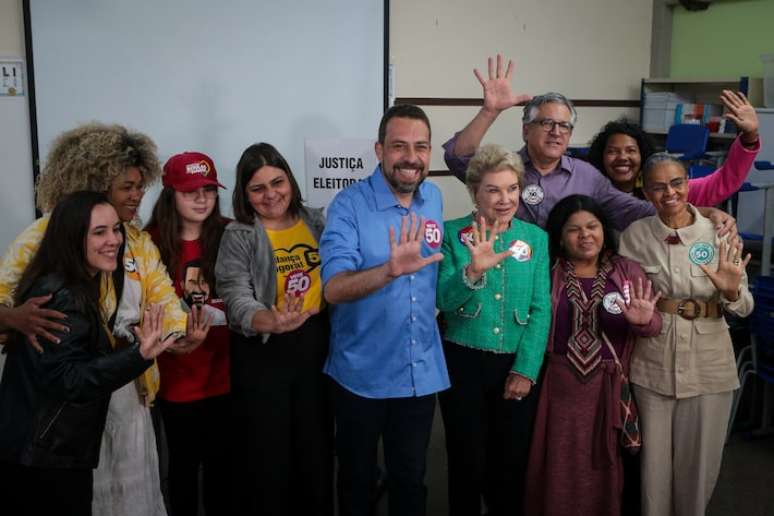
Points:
(595, 49)
(592, 50)
(15, 149)
(16, 183)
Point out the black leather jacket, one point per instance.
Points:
(53, 405)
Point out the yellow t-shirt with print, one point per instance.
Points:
(146, 283)
(297, 261)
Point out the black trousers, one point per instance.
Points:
(487, 437)
(45, 491)
(198, 434)
(283, 424)
(404, 424)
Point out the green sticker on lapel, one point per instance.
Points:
(701, 253)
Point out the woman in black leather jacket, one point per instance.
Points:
(53, 404)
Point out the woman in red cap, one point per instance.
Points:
(187, 226)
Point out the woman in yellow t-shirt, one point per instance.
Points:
(120, 163)
(268, 274)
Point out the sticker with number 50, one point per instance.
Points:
(433, 234)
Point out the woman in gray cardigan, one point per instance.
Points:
(268, 273)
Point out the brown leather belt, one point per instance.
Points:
(690, 309)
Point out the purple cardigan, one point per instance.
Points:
(603, 445)
(623, 269)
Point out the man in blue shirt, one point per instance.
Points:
(380, 252)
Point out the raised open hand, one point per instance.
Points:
(481, 247)
(406, 254)
(292, 315)
(196, 328)
(643, 301)
(741, 112)
(728, 275)
(150, 331)
(498, 95)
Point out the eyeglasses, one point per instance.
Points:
(208, 193)
(548, 125)
(677, 183)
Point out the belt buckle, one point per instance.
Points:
(695, 310)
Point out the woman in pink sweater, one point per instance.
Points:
(619, 150)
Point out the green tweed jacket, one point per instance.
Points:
(511, 312)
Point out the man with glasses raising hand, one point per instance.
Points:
(549, 175)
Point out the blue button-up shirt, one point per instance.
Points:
(386, 344)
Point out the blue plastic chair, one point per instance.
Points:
(687, 141)
(697, 171)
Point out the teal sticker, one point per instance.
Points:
(701, 253)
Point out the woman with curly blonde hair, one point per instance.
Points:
(119, 163)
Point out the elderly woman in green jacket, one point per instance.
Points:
(493, 291)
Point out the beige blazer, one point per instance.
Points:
(687, 358)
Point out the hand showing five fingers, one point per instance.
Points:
(640, 309)
(741, 112)
(498, 95)
(406, 254)
(150, 331)
(731, 266)
(196, 329)
(292, 315)
(481, 247)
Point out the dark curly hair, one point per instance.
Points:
(620, 126)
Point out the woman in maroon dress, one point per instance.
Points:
(600, 302)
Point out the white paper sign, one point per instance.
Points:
(11, 79)
(333, 164)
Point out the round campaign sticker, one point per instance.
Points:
(533, 195)
(465, 235)
(297, 282)
(701, 253)
(520, 250)
(433, 234)
(609, 302)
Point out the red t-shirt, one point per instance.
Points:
(204, 372)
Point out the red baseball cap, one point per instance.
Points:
(188, 171)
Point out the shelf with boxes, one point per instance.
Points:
(665, 102)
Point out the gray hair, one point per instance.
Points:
(657, 159)
(492, 158)
(531, 108)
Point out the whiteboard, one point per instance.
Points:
(211, 76)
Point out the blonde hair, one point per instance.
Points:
(90, 157)
(492, 158)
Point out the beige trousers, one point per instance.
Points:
(682, 447)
